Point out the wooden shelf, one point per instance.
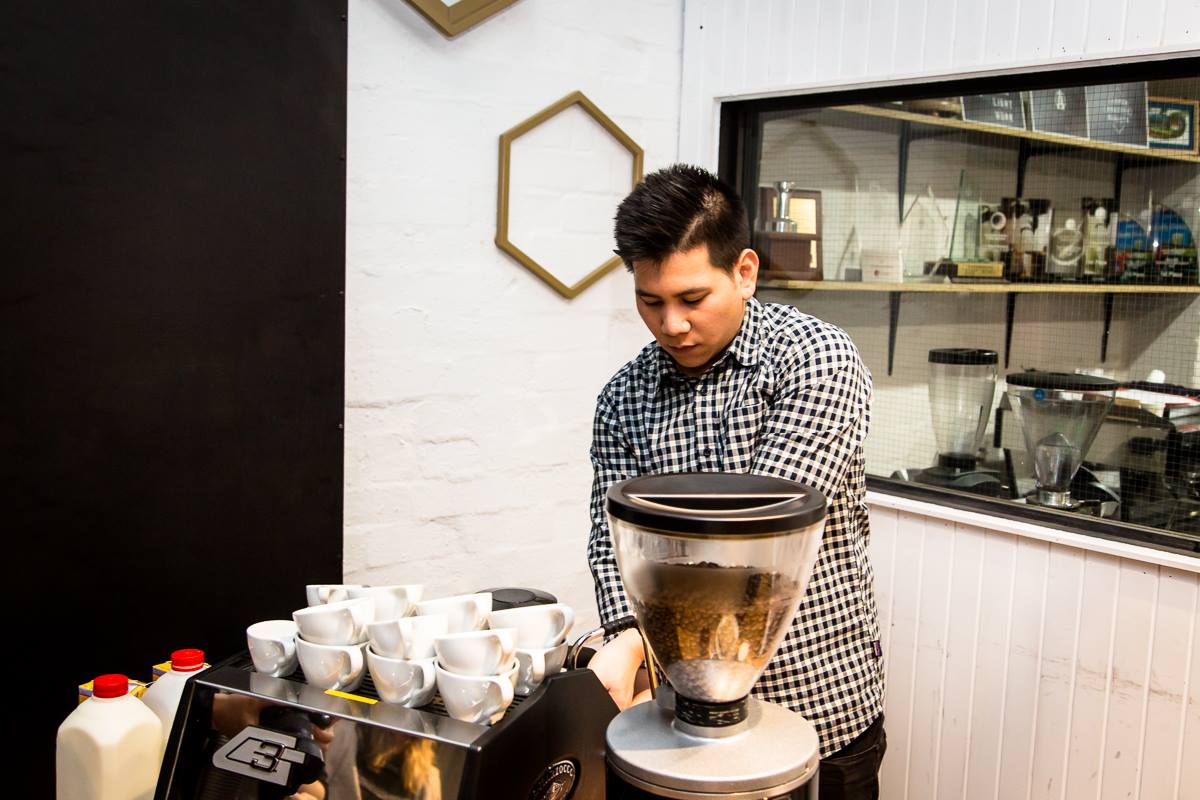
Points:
(972, 288)
(895, 291)
(1018, 133)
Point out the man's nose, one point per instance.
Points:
(675, 323)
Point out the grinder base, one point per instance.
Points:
(774, 755)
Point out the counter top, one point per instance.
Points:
(1082, 541)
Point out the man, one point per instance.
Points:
(731, 385)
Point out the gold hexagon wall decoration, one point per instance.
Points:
(503, 239)
(454, 18)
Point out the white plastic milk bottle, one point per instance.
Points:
(162, 696)
(110, 747)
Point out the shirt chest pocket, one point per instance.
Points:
(743, 424)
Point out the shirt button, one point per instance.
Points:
(707, 452)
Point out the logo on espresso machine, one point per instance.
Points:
(556, 782)
(264, 754)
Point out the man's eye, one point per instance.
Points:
(693, 301)
(651, 302)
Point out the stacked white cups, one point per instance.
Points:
(332, 632)
(541, 647)
(478, 659)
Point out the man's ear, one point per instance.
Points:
(745, 272)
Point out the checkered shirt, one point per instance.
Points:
(790, 398)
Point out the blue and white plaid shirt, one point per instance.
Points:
(789, 397)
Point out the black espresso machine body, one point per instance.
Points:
(239, 735)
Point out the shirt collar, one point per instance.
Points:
(744, 349)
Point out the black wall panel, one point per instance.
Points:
(171, 330)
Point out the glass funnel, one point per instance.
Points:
(715, 566)
(962, 383)
(1060, 415)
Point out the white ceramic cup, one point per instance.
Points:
(338, 667)
(476, 698)
(321, 593)
(398, 680)
(466, 612)
(409, 638)
(391, 602)
(272, 646)
(341, 622)
(476, 652)
(533, 666)
(537, 626)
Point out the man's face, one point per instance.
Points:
(694, 309)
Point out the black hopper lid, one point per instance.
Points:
(1060, 381)
(962, 355)
(716, 504)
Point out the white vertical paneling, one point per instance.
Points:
(1021, 669)
(909, 36)
(757, 57)
(828, 40)
(1068, 28)
(853, 61)
(1131, 654)
(881, 36)
(779, 38)
(1144, 23)
(1106, 25)
(806, 44)
(1093, 663)
(1000, 31)
(930, 658)
(1024, 656)
(883, 561)
(1189, 746)
(696, 103)
(1056, 674)
(1033, 30)
(970, 29)
(908, 571)
(735, 45)
(1181, 22)
(937, 52)
(1170, 652)
(996, 591)
(962, 630)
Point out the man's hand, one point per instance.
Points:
(616, 665)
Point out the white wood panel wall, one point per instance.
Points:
(1024, 668)
(734, 48)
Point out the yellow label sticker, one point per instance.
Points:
(358, 698)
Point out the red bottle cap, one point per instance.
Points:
(110, 686)
(187, 660)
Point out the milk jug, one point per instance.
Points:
(162, 697)
(110, 747)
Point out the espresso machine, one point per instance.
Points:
(242, 735)
(962, 384)
(715, 566)
(1060, 414)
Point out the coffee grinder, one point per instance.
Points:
(962, 384)
(1060, 414)
(715, 566)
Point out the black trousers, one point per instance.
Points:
(852, 773)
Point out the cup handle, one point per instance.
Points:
(353, 661)
(568, 619)
(495, 703)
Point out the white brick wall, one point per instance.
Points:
(469, 383)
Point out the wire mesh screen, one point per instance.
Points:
(1048, 231)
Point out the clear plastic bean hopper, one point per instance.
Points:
(1060, 415)
(715, 566)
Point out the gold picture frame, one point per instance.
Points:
(452, 20)
(506, 140)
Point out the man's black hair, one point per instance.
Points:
(677, 209)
